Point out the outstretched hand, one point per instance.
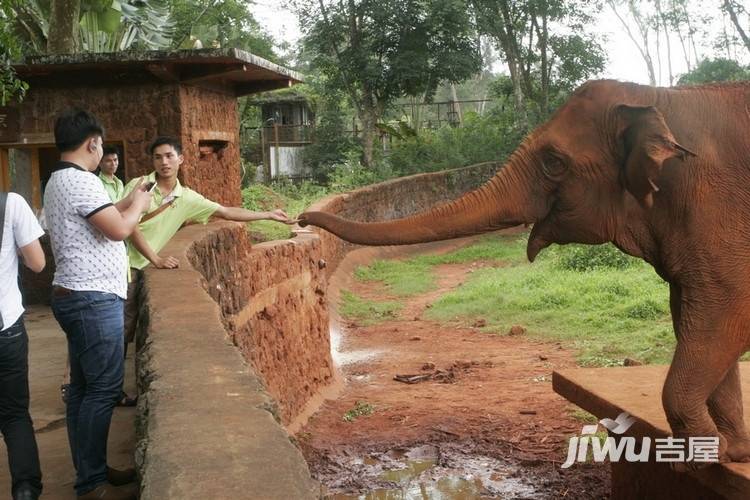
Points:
(280, 216)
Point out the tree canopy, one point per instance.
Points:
(379, 51)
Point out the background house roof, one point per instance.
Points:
(230, 70)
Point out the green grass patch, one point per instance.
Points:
(367, 312)
(413, 276)
(609, 310)
(400, 277)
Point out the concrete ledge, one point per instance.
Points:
(206, 425)
(606, 392)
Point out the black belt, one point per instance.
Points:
(60, 291)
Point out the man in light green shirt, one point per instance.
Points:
(172, 205)
(107, 168)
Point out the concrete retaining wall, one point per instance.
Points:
(221, 373)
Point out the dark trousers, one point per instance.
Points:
(15, 422)
(93, 324)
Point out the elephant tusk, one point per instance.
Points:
(653, 186)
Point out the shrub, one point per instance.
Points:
(590, 257)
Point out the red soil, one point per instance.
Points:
(489, 395)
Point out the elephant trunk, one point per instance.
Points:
(504, 201)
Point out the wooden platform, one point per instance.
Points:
(606, 392)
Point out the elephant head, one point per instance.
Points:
(577, 178)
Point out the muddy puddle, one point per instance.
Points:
(427, 472)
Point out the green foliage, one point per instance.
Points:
(378, 51)
(361, 409)
(105, 25)
(367, 312)
(481, 138)
(546, 43)
(220, 23)
(10, 86)
(590, 257)
(352, 174)
(715, 70)
(111, 26)
(332, 139)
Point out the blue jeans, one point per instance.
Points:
(15, 422)
(93, 324)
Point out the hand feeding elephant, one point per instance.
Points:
(662, 173)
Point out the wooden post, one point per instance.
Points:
(276, 145)
(36, 183)
(4, 170)
(266, 155)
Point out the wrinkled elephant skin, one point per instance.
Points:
(662, 173)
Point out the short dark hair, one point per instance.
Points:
(74, 127)
(162, 140)
(110, 150)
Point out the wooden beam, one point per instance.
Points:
(36, 183)
(164, 72)
(260, 86)
(209, 72)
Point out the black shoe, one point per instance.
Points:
(109, 492)
(120, 477)
(126, 400)
(25, 492)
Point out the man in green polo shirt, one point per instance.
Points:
(107, 168)
(171, 206)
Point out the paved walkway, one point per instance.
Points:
(47, 351)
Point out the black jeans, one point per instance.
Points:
(15, 421)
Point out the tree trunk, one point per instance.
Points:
(368, 117)
(735, 20)
(643, 49)
(63, 26)
(676, 26)
(456, 104)
(663, 22)
(509, 44)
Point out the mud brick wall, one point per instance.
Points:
(273, 302)
(134, 114)
(211, 116)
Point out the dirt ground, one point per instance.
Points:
(481, 408)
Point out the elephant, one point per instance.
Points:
(663, 174)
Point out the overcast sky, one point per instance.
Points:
(625, 63)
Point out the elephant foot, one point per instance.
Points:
(702, 457)
(738, 449)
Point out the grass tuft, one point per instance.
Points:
(367, 312)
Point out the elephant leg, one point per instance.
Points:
(725, 408)
(698, 367)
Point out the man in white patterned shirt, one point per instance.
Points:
(89, 289)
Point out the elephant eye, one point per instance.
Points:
(553, 168)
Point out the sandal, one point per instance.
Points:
(65, 393)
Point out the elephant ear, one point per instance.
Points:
(647, 143)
